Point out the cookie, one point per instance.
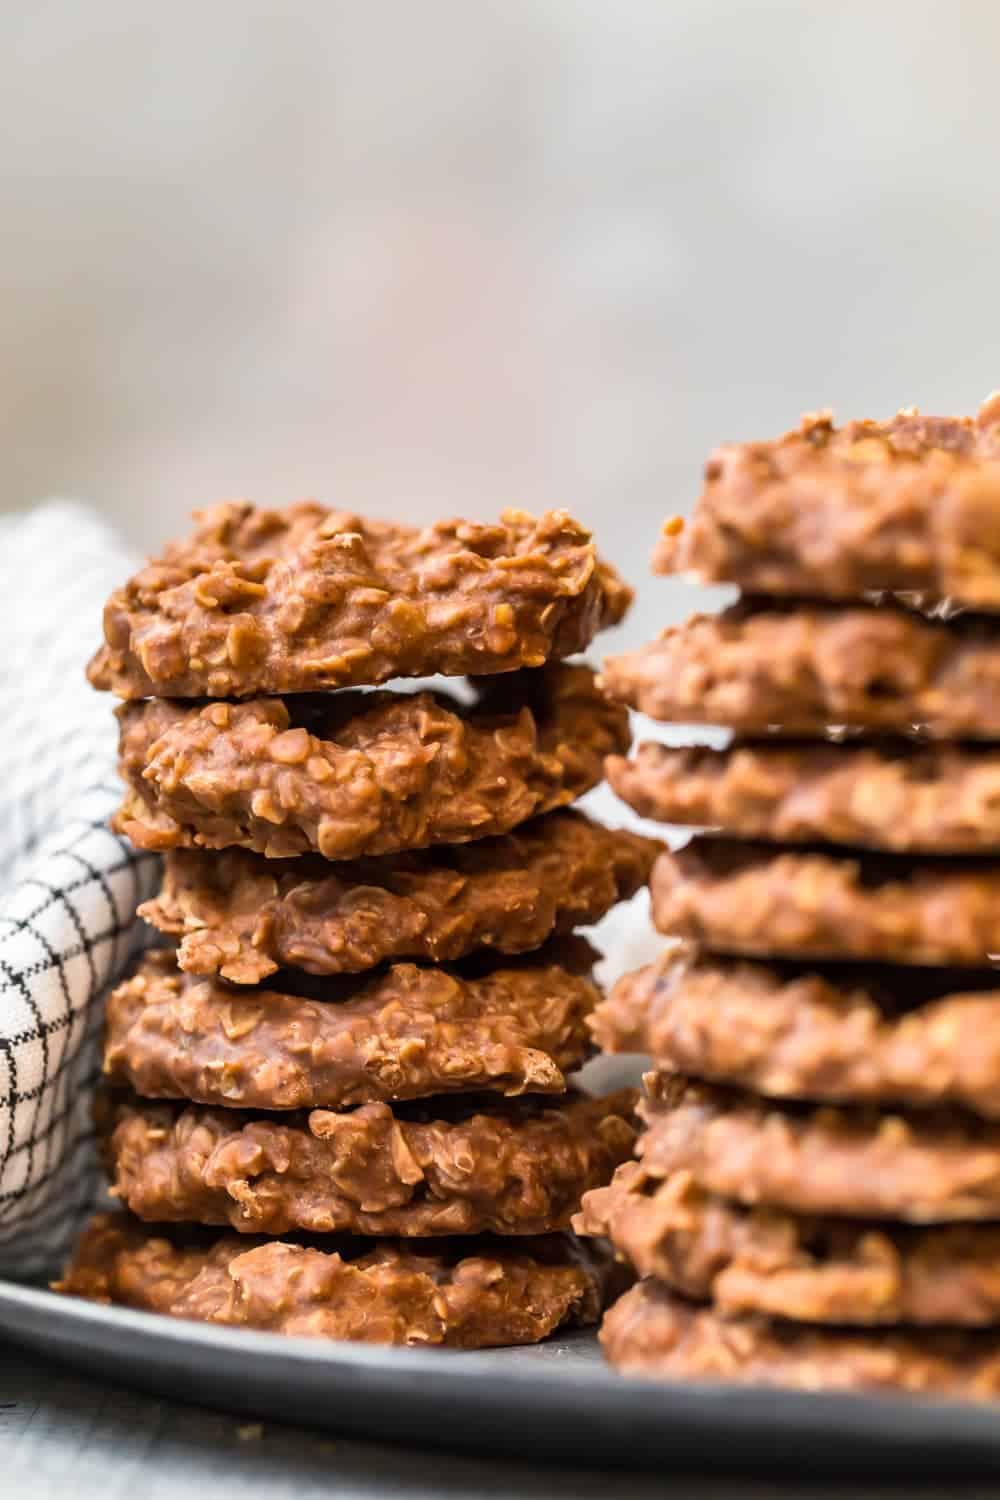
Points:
(459, 1166)
(257, 601)
(926, 1168)
(462, 1295)
(909, 505)
(653, 1332)
(242, 916)
(811, 1270)
(752, 898)
(896, 796)
(401, 1033)
(350, 774)
(758, 666)
(840, 1033)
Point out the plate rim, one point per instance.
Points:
(574, 1410)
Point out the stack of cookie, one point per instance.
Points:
(816, 1200)
(374, 994)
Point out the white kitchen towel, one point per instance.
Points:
(68, 886)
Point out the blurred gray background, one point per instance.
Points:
(435, 258)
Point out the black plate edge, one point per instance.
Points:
(470, 1403)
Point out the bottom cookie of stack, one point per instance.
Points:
(418, 1118)
(460, 1294)
(653, 1332)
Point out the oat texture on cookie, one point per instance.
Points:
(815, 1196)
(340, 1103)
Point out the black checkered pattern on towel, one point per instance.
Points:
(68, 886)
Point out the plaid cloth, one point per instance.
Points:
(68, 886)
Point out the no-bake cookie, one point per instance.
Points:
(894, 795)
(740, 897)
(257, 601)
(653, 1332)
(399, 1033)
(841, 1032)
(923, 1168)
(457, 1294)
(242, 916)
(911, 504)
(801, 670)
(455, 1166)
(813, 1270)
(352, 774)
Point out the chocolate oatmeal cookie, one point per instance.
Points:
(908, 505)
(893, 795)
(242, 916)
(799, 669)
(753, 898)
(812, 1270)
(350, 774)
(457, 1294)
(454, 1166)
(258, 602)
(840, 1033)
(401, 1033)
(653, 1332)
(924, 1168)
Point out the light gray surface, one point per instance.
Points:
(62, 1436)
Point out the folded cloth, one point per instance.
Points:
(68, 886)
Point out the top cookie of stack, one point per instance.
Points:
(295, 600)
(366, 848)
(828, 1030)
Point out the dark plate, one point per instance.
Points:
(554, 1401)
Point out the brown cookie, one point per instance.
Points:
(351, 774)
(756, 667)
(932, 1167)
(402, 1033)
(242, 916)
(653, 1332)
(464, 1166)
(812, 1270)
(843, 1033)
(897, 796)
(908, 504)
(753, 898)
(468, 1295)
(266, 601)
